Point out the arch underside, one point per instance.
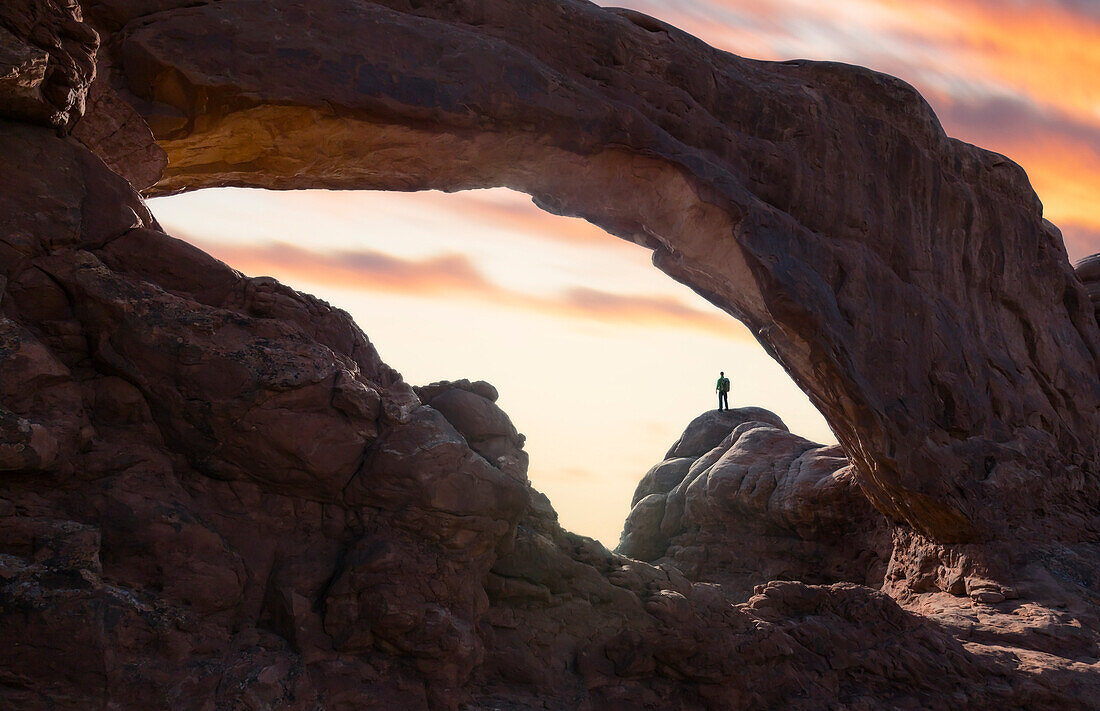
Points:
(907, 281)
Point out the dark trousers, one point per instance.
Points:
(723, 401)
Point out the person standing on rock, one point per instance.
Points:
(723, 390)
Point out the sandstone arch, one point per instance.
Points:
(215, 493)
(905, 280)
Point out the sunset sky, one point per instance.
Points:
(599, 358)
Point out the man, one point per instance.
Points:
(723, 389)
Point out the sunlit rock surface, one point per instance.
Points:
(739, 500)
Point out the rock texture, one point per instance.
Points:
(573, 626)
(214, 494)
(118, 134)
(47, 61)
(1088, 271)
(211, 483)
(905, 280)
(739, 500)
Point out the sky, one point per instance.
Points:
(600, 359)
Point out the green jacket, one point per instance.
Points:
(723, 385)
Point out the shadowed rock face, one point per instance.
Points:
(47, 61)
(739, 501)
(219, 463)
(905, 280)
(214, 494)
(1088, 271)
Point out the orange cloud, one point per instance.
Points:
(454, 276)
(516, 212)
(367, 271)
(633, 308)
(1048, 51)
(1068, 181)
(1061, 157)
(1045, 49)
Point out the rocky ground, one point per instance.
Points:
(214, 495)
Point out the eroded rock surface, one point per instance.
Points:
(739, 500)
(1088, 271)
(117, 133)
(907, 281)
(47, 61)
(214, 494)
(209, 481)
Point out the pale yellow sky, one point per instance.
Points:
(600, 359)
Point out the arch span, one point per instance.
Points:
(907, 281)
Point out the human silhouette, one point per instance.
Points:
(723, 390)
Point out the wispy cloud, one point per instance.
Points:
(1060, 155)
(455, 276)
(516, 212)
(635, 308)
(1048, 51)
(1081, 240)
(363, 270)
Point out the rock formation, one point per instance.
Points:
(47, 61)
(213, 493)
(905, 280)
(1088, 271)
(206, 471)
(739, 501)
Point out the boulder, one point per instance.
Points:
(709, 429)
(1088, 271)
(752, 503)
(471, 409)
(47, 61)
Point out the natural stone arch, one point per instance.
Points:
(905, 280)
